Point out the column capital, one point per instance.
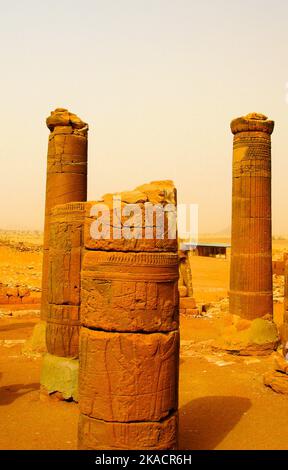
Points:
(253, 122)
(61, 117)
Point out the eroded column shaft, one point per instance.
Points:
(66, 176)
(60, 367)
(129, 339)
(251, 253)
(65, 255)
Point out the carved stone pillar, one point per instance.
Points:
(251, 256)
(129, 339)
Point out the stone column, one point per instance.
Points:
(129, 339)
(66, 181)
(60, 366)
(251, 294)
(66, 175)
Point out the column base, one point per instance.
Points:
(36, 344)
(96, 434)
(59, 377)
(258, 337)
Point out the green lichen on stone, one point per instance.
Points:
(36, 344)
(60, 374)
(262, 331)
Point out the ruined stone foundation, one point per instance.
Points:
(277, 379)
(60, 366)
(129, 338)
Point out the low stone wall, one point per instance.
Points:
(18, 295)
(188, 307)
(278, 267)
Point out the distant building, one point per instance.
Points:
(214, 250)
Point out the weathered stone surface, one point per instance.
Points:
(188, 307)
(62, 117)
(258, 337)
(281, 364)
(185, 278)
(128, 377)
(130, 291)
(277, 381)
(62, 334)
(17, 295)
(191, 312)
(65, 253)
(129, 340)
(23, 292)
(95, 434)
(182, 291)
(284, 327)
(187, 302)
(66, 240)
(12, 291)
(66, 176)
(59, 374)
(251, 255)
(161, 193)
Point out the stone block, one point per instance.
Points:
(95, 434)
(129, 291)
(128, 377)
(59, 374)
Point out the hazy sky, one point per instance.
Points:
(158, 81)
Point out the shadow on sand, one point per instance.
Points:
(10, 393)
(205, 421)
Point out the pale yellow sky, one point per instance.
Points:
(158, 81)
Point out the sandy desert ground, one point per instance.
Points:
(223, 402)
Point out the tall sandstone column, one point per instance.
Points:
(66, 176)
(66, 181)
(129, 338)
(251, 254)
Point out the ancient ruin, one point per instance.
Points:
(251, 329)
(66, 175)
(187, 303)
(277, 379)
(251, 253)
(129, 339)
(115, 281)
(66, 182)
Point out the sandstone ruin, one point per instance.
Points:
(129, 340)
(66, 181)
(250, 329)
(251, 253)
(110, 303)
(66, 176)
